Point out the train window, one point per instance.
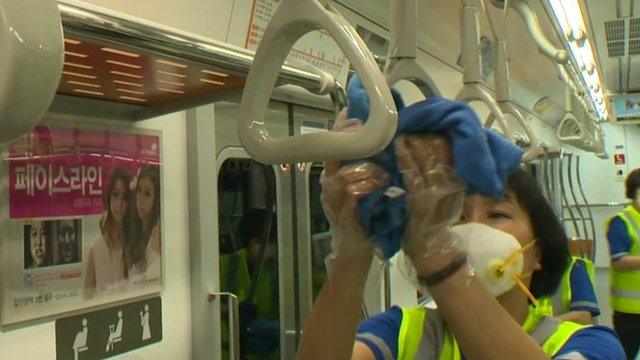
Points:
(249, 255)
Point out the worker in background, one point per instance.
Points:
(251, 273)
(575, 300)
(624, 246)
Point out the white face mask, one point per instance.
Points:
(495, 255)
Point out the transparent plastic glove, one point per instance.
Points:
(434, 199)
(342, 187)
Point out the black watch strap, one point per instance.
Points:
(439, 276)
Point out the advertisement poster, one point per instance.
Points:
(80, 220)
(627, 106)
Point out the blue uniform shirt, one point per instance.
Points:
(583, 295)
(619, 240)
(380, 334)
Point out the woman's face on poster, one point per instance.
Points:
(67, 242)
(38, 243)
(118, 201)
(145, 196)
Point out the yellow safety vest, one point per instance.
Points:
(549, 332)
(625, 284)
(235, 278)
(558, 304)
(544, 308)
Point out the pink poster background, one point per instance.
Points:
(61, 171)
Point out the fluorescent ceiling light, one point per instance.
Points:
(583, 55)
(569, 17)
(558, 10)
(571, 22)
(573, 13)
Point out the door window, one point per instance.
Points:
(249, 256)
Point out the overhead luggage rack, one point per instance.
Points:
(134, 70)
(98, 70)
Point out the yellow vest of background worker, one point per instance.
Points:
(625, 284)
(550, 333)
(559, 303)
(235, 278)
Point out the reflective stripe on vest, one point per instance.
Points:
(382, 346)
(550, 333)
(625, 284)
(557, 334)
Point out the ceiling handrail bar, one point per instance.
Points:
(472, 59)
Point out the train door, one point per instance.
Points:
(249, 241)
(313, 239)
(254, 245)
(272, 239)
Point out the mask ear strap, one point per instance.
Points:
(521, 285)
(515, 254)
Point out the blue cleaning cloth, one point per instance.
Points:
(481, 158)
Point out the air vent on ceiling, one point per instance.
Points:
(634, 36)
(614, 31)
(634, 47)
(634, 28)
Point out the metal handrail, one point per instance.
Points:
(579, 180)
(403, 49)
(472, 75)
(104, 25)
(574, 221)
(233, 318)
(546, 177)
(503, 97)
(573, 196)
(530, 19)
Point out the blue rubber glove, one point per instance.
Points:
(481, 158)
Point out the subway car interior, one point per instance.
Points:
(283, 179)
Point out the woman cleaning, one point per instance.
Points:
(484, 259)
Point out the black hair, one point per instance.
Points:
(632, 184)
(547, 229)
(117, 174)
